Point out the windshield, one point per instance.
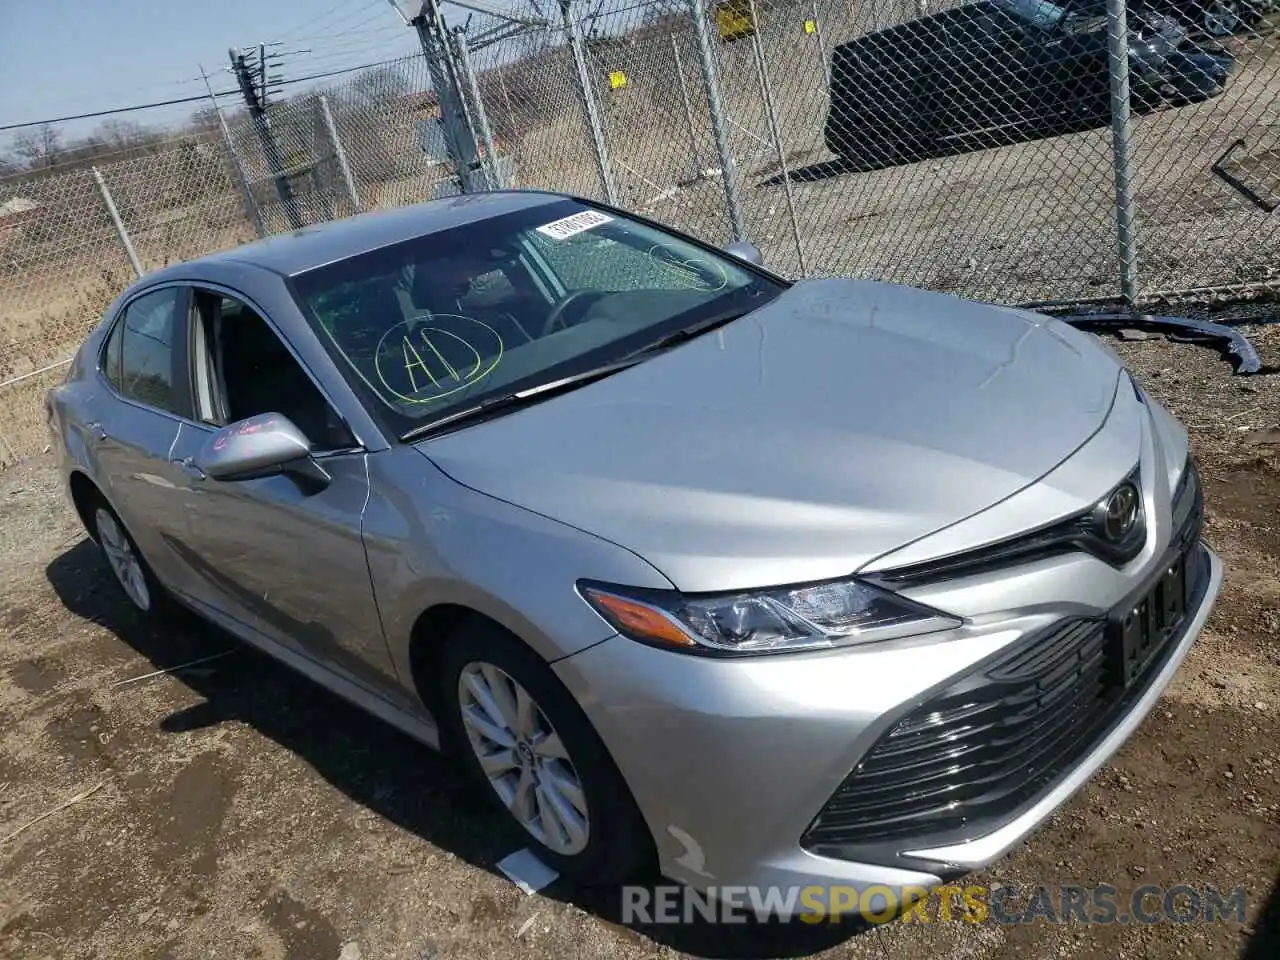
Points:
(1040, 13)
(442, 322)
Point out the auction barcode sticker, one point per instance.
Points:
(568, 226)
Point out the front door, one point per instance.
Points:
(286, 561)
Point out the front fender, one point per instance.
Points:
(430, 541)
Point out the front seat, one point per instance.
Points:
(262, 376)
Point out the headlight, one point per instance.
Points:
(817, 616)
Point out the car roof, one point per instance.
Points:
(292, 253)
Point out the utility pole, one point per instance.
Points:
(233, 158)
(459, 139)
(254, 83)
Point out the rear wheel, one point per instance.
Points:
(526, 744)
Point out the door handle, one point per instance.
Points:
(188, 466)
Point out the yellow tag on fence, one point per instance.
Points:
(617, 80)
(810, 27)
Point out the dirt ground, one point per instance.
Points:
(233, 810)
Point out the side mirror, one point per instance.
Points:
(261, 446)
(746, 251)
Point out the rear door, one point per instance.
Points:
(134, 432)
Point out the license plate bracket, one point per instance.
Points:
(1137, 634)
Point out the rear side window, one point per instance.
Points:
(138, 360)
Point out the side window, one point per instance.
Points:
(252, 372)
(139, 354)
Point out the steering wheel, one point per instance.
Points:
(556, 316)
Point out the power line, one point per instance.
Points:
(114, 110)
(181, 100)
(327, 14)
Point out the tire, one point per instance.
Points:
(130, 570)
(612, 841)
(1224, 18)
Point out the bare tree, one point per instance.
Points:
(381, 86)
(204, 120)
(38, 147)
(124, 135)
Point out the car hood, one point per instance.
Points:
(841, 421)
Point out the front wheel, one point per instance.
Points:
(131, 570)
(1222, 18)
(526, 744)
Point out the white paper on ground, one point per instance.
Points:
(526, 871)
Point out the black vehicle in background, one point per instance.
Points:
(1000, 71)
(1214, 18)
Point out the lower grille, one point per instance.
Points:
(971, 757)
(984, 746)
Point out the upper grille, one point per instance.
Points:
(1073, 534)
(976, 753)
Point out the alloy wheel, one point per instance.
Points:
(123, 559)
(523, 757)
(1221, 18)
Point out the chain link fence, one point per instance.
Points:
(1016, 151)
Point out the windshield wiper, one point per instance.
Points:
(519, 398)
(684, 334)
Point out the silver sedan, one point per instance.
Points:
(757, 582)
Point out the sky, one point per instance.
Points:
(59, 58)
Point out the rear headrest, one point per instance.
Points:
(441, 280)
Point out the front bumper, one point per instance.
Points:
(1182, 76)
(733, 761)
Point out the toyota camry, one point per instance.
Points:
(692, 567)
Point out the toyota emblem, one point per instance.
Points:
(1120, 512)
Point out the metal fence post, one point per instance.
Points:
(822, 46)
(719, 125)
(589, 101)
(512, 126)
(688, 107)
(766, 90)
(1121, 136)
(121, 232)
(339, 153)
(479, 112)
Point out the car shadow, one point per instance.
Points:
(375, 765)
(1264, 942)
